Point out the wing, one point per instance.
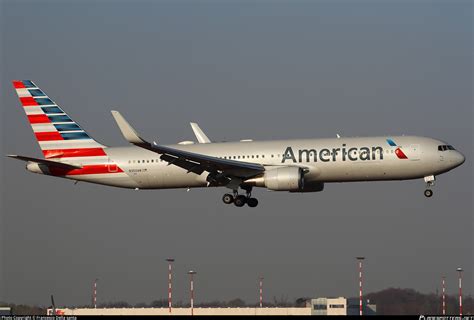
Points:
(221, 171)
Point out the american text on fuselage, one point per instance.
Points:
(327, 155)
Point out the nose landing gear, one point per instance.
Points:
(430, 181)
(240, 200)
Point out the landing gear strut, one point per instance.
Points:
(240, 200)
(430, 181)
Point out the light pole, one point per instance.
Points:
(360, 259)
(444, 295)
(460, 270)
(170, 261)
(261, 290)
(94, 294)
(191, 275)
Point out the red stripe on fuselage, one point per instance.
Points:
(28, 101)
(64, 153)
(48, 136)
(38, 118)
(92, 169)
(18, 84)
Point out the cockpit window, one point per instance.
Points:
(445, 148)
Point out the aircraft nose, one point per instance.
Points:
(458, 159)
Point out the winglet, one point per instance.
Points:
(127, 130)
(200, 135)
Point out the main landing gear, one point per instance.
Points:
(240, 200)
(430, 181)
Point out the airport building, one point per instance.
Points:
(318, 306)
(183, 312)
(353, 308)
(328, 306)
(5, 311)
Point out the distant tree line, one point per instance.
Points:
(408, 302)
(392, 301)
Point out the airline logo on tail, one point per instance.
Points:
(398, 152)
(58, 135)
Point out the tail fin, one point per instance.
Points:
(58, 135)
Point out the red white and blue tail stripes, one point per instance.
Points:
(59, 137)
(57, 134)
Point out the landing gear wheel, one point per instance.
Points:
(428, 193)
(252, 202)
(240, 201)
(228, 198)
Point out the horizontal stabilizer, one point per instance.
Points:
(45, 162)
(127, 130)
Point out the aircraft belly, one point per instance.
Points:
(119, 179)
(372, 171)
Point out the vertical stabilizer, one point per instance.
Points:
(57, 134)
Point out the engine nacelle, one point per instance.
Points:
(284, 179)
(311, 186)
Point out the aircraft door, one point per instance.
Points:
(112, 166)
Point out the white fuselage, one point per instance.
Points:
(324, 160)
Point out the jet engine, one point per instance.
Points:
(284, 179)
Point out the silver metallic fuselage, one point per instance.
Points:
(143, 169)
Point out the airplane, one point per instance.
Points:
(304, 165)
